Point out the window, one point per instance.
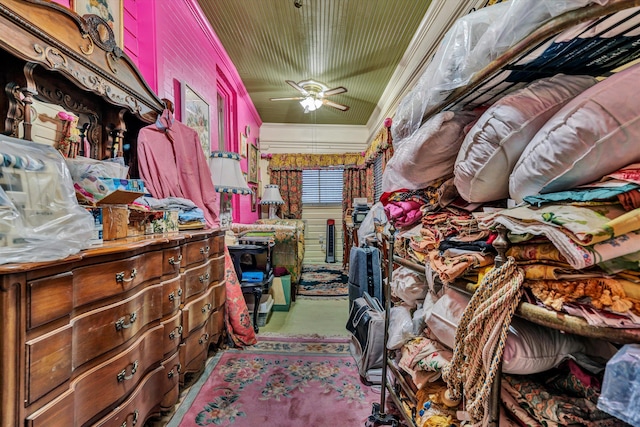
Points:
(377, 178)
(222, 121)
(322, 186)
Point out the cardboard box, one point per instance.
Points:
(115, 221)
(162, 222)
(281, 292)
(131, 185)
(137, 222)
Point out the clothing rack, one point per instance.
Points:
(378, 416)
(504, 74)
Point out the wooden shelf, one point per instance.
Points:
(549, 318)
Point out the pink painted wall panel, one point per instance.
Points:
(176, 46)
(172, 44)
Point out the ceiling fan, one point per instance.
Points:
(314, 95)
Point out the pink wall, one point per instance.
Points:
(179, 47)
(173, 44)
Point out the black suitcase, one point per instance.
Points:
(365, 273)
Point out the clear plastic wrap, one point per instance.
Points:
(81, 167)
(374, 222)
(409, 286)
(471, 44)
(400, 327)
(621, 386)
(40, 218)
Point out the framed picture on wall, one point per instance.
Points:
(253, 163)
(254, 198)
(195, 114)
(243, 145)
(109, 10)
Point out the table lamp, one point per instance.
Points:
(227, 180)
(272, 198)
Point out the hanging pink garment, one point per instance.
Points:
(172, 163)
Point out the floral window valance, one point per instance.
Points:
(380, 143)
(315, 161)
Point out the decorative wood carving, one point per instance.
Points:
(57, 56)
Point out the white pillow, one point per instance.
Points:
(529, 348)
(494, 144)
(593, 135)
(428, 154)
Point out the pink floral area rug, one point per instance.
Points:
(280, 381)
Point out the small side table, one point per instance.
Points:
(244, 260)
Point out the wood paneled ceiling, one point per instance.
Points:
(352, 43)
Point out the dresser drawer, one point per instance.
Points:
(216, 243)
(216, 325)
(49, 298)
(193, 352)
(217, 268)
(60, 412)
(48, 362)
(196, 252)
(172, 334)
(105, 328)
(171, 386)
(196, 280)
(112, 278)
(171, 261)
(172, 294)
(137, 408)
(196, 312)
(219, 295)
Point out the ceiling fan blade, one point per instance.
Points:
(297, 87)
(335, 91)
(335, 105)
(295, 98)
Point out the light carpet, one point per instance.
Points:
(281, 381)
(324, 317)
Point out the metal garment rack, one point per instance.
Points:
(504, 74)
(379, 417)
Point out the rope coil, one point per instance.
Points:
(481, 337)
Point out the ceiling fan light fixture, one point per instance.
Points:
(310, 103)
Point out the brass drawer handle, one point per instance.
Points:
(120, 276)
(172, 297)
(134, 421)
(120, 325)
(204, 250)
(122, 375)
(172, 334)
(204, 278)
(170, 374)
(172, 260)
(207, 307)
(203, 339)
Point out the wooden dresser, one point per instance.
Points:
(106, 336)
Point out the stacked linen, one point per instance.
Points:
(584, 260)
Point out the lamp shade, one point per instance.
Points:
(271, 195)
(226, 173)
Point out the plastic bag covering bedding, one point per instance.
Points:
(40, 219)
(470, 45)
(428, 154)
(621, 389)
